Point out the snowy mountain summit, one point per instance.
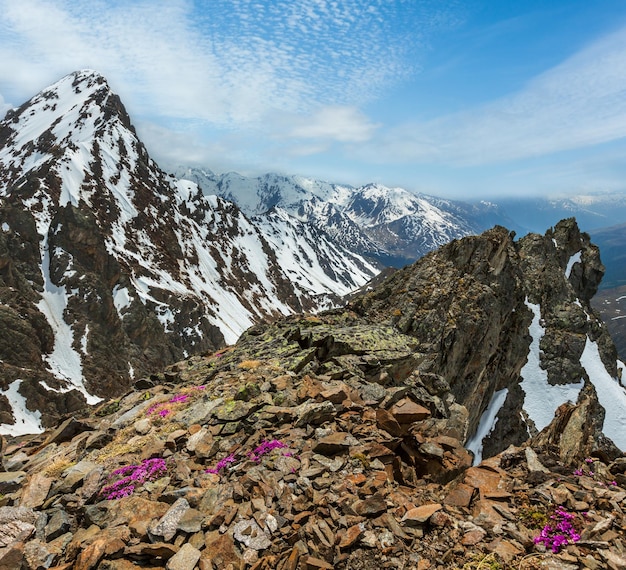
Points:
(111, 269)
(390, 226)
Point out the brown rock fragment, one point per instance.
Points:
(312, 563)
(334, 443)
(407, 412)
(185, 559)
(387, 422)
(351, 536)
(419, 515)
(460, 496)
(36, 491)
(370, 507)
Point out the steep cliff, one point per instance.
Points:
(509, 326)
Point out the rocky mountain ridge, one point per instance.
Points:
(468, 410)
(110, 269)
(339, 440)
(492, 314)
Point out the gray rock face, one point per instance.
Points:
(167, 526)
(16, 524)
(468, 306)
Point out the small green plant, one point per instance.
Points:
(108, 409)
(124, 442)
(362, 458)
(483, 562)
(56, 468)
(250, 364)
(533, 517)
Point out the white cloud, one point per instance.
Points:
(579, 103)
(4, 106)
(343, 124)
(292, 73)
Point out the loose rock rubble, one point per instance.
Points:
(327, 452)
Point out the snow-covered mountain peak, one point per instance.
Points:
(390, 226)
(376, 204)
(79, 134)
(65, 106)
(123, 268)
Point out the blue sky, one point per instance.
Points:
(459, 98)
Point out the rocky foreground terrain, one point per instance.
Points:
(340, 440)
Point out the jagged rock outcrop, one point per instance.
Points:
(494, 315)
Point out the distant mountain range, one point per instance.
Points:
(390, 226)
(375, 218)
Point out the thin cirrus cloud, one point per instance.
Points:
(252, 85)
(577, 104)
(231, 63)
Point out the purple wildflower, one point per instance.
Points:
(123, 470)
(264, 448)
(222, 464)
(579, 472)
(562, 533)
(133, 476)
(588, 460)
(179, 398)
(164, 412)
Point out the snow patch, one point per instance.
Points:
(573, 260)
(611, 395)
(83, 341)
(26, 421)
(486, 425)
(121, 299)
(64, 361)
(542, 398)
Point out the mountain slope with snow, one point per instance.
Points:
(389, 225)
(111, 269)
